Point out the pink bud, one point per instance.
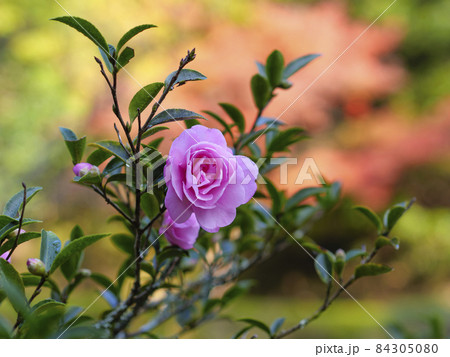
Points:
(82, 168)
(36, 266)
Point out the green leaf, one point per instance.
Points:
(74, 247)
(143, 98)
(174, 115)
(108, 58)
(113, 148)
(70, 267)
(324, 267)
(104, 281)
(258, 324)
(14, 225)
(235, 114)
(274, 68)
(382, 241)
(153, 131)
(171, 252)
(74, 145)
(302, 195)
(372, 216)
(276, 325)
(98, 156)
(125, 57)
(150, 205)
(298, 64)
(261, 69)
(260, 90)
(354, 253)
(33, 280)
(11, 286)
(392, 215)
(250, 137)
(131, 33)
(241, 332)
(14, 205)
(86, 28)
(284, 139)
(191, 122)
(50, 247)
(371, 269)
(220, 120)
(24, 237)
(184, 76)
(124, 242)
(4, 220)
(275, 196)
(269, 122)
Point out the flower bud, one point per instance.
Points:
(36, 266)
(340, 262)
(84, 168)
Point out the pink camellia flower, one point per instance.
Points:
(4, 256)
(182, 235)
(204, 177)
(83, 168)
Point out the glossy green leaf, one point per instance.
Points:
(170, 115)
(113, 148)
(104, 282)
(70, 267)
(393, 215)
(276, 325)
(131, 33)
(220, 120)
(302, 195)
(75, 247)
(275, 196)
(10, 227)
(24, 237)
(324, 267)
(260, 90)
(153, 131)
(143, 98)
(372, 216)
(274, 68)
(150, 205)
(191, 122)
(98, 156)
(257, 324)
(11, 286)
(261, 69)
(383, 241)
(125, 57)
(14, 205)
(275, 122)
(170, 253)
(371, 269)
(108, 58)
(298, 64)
(50, 247)
(235, 114)
(185, 75)
(284, 139)
(124, 242)
(354, 253)
(86, 28)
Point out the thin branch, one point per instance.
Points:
(108, 201)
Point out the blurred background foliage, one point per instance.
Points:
(379, 119)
